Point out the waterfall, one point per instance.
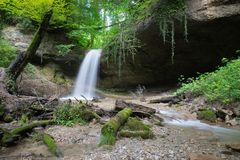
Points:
(85, 85)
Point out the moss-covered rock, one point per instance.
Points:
(207, 114)
(109, 130)
(51, 144)
(134, 127)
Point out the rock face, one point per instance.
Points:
(213, 33)
(47, 51)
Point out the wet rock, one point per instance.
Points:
(196, 156)
(235, 147)
(224, 114)
(236, 111)
(233, 122)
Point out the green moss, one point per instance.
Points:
(109, 130)
(135, 128)
(24, 119)
(207, 114)
(8, 118)
(10, 137)
(52, 147)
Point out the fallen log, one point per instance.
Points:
(10, 137)
(166, 99)
(110, 129)
(121, 104)
(51, 144)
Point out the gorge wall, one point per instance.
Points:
(213, 33)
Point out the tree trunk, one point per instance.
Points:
(22, 60)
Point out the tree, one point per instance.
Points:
(17, 66)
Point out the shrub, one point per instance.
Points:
(64, 49)
(207, 114)
(222, 85)
(68, 114)
(7, 52)
(30, 70)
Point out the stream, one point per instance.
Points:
(224, 135)
(181, 137)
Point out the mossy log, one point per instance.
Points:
(10, 137)
(109, 130)
(134, 127)
(121, 104)
(51, 144)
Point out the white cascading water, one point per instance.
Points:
(85, 85)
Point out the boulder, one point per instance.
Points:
(213, 33)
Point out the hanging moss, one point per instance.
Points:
(109, 130)
(135, 128)
(51, 144)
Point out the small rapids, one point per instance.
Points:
(174, 118)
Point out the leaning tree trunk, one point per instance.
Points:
(22, 60)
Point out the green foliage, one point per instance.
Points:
(68, 114)
(36, 137)
(34, 10)
(25, 24)
(207, 114)
(30, 70)
(64, 49)
(24, 119)
(7, 52)
(222, 85)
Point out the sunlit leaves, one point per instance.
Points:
(35, 9)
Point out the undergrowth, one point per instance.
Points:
(71, 114)
(7, 52)
(221, 85)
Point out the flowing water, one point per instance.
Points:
(223, 134)
(85, 85)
